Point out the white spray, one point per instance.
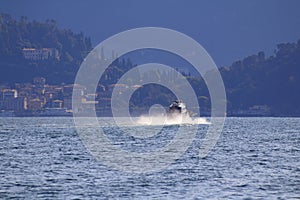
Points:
(158, 117)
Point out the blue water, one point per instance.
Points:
(255, 158)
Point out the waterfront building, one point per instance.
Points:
(39, 83)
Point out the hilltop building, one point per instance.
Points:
(40, 54)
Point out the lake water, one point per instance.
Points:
(254, 158)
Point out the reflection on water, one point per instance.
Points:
(255, 157)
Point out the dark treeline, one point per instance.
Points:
(272, 81)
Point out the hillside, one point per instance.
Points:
(273, 81)
(254, 85)
(15, 35)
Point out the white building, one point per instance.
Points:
(40, 54)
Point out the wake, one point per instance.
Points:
(159, 120)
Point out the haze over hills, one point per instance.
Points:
(256, 84)
(228, 30)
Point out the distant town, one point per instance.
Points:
(41, 99)
(30, 99)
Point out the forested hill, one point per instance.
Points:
(272, 81)
(256, 82)
(16, 35)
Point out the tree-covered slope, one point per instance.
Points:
(18, 34)
(273, 81)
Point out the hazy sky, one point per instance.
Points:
(228, 29)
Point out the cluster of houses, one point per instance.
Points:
(41, 99)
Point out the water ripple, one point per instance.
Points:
(255, 158)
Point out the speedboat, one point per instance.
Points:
(178, 108)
